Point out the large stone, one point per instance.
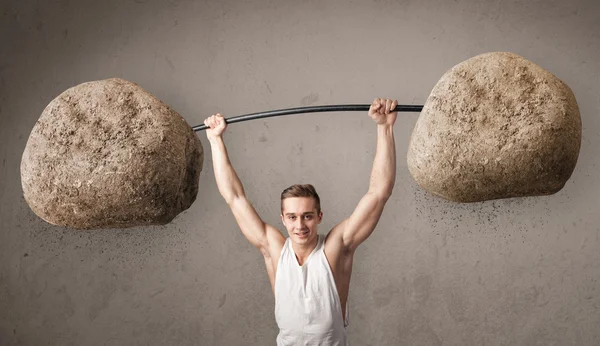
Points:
(496, 126)
(108, 154)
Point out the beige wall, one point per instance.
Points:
(509, 272)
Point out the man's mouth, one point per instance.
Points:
(302, 234)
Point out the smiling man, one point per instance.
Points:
(310, 273)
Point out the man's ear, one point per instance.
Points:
(320, 216)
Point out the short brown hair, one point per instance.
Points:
(299, 190)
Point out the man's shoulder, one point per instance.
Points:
(275, 242)
(334, 243)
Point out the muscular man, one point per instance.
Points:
(310, 273)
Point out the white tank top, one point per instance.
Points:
(307, 305)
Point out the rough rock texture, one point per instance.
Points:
(107, 154)
(496, 126)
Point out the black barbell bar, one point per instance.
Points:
(310, 109)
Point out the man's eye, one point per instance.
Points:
(308, 217)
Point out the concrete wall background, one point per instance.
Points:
(508, 272)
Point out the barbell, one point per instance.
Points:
(310, 109)
(107, 154)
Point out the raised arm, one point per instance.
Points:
(258, 233)
(359, 226)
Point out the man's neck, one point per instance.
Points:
(303, 251)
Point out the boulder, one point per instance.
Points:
(108, 154)
(496, 126)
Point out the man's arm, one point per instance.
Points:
(258, 233)
(359, 226)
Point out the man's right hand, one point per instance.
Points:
(216, 126)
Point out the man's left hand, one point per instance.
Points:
(380, 111)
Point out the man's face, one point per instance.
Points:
(300, 217)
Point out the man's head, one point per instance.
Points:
(301, 212)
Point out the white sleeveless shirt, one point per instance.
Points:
(307, 305)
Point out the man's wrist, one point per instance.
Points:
(385, 127)
(215, 139)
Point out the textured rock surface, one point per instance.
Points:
(107, 154)
(496, 126)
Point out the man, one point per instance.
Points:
(309, 273)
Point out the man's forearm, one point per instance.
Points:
(228, 182)
(383, 175)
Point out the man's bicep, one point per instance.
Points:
(359, 226)
(250, 223)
